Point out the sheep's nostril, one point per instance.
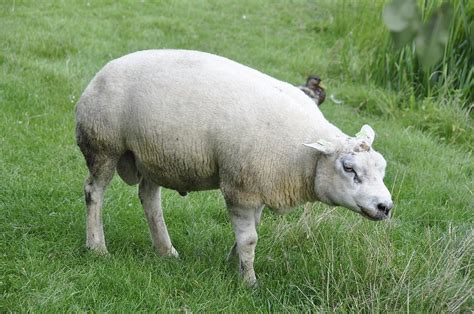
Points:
(385, 207)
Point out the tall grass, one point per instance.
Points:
(439, 99)
(454, 74)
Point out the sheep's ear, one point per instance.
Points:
(323, 146)
(366, 133)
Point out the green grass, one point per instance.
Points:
(327, 259)
(440, 97)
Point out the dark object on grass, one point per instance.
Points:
(314, 89)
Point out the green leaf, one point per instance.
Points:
(403, 19)
(401, 39)
(393, 20)
(433, 37)
(400, 15)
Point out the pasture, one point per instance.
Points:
(322, 259)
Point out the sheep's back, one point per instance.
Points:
(193, 116)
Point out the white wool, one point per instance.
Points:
(192, 121)
(198, 121)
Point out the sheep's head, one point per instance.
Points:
(350, 173)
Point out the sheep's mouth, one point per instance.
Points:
(364, 212)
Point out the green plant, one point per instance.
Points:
(415, 67)
(403, 19)
(322, 260)
(364, 55)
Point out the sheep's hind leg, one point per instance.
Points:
(244, 224)
(101, 171)
(150, 197)
(233, 250)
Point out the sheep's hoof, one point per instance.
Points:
(98, 249)
(173, 253)
(248, 276)
(168, 252)
(251, 282)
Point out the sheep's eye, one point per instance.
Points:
(348, 168)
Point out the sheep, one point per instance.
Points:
(193, 121)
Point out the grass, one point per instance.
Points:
(439, 97)
(326, 259)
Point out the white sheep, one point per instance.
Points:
(193, 121)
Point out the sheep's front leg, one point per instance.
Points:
(233, 250)
(244, 224)
(150, 197)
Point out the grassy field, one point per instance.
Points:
(326, 259)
